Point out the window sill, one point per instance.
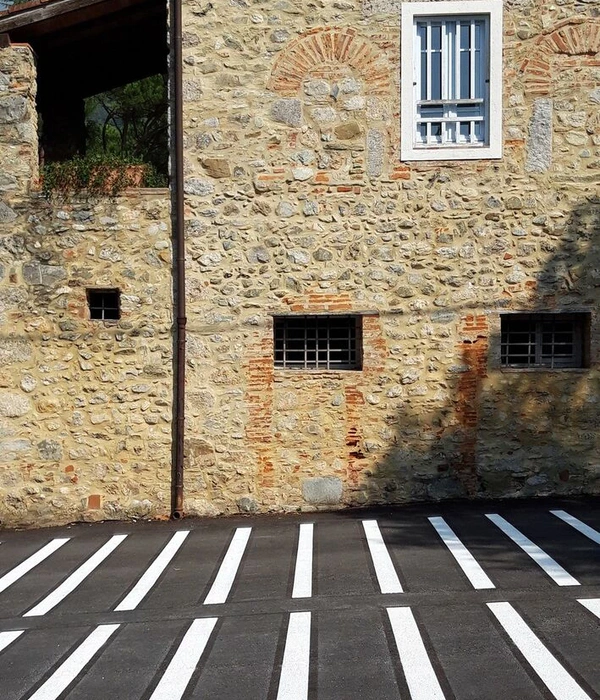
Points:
(418, 155)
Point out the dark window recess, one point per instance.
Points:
(318, 342)
(104, 304)
(544, 340)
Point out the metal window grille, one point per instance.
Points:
(543, 340)
(104, 304)
(318, 342)
(451, 81)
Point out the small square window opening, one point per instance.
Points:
(104, 304)
(550, 341)
(318, 342)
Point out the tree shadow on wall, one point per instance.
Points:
(501, 433)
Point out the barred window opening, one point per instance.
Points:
(544, 340)
(318, 342)
(104, 304)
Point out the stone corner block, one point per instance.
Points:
(322, 490)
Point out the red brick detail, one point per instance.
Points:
(328, 51)
(375, 349)
(259, 399)
(474, 351)
(577, 36)
(354, 402)
(94, 502)
(319, 303)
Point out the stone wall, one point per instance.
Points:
(85, 405)
(297, 202)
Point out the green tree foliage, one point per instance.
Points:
(130, 123)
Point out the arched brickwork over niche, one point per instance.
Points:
(574, 38)
(326, 53)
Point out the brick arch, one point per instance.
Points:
(329, 50)
(575, 37)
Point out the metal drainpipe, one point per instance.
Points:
(178, 225)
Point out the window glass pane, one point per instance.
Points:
(479, 34)
(436, 132)
(421, 133)
(436, 37)
(422, 35)
(464, 132)
(424, 80)
(466, 111)
(465, 75)
(431, 111)
(465, 36)
(479, 129)
(436, 76)
(450, 60)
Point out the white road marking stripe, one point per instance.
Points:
(586, 530)
(36, 558)
(304, 561)
(543, 560)
(68, 671)
(293, 681)
(7, 638)
(420, 676)
(592, 604)
(229, 567)
(467, 562)
(76, 578)
(151, 575)
(382, 562)
(175, 679)
(560, 683)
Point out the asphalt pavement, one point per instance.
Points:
(477, 601)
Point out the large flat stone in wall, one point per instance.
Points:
(539, 143)
(322, 490)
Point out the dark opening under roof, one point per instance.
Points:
(88, 46)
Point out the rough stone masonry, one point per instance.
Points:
(297, 203)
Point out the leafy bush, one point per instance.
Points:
(98, 175)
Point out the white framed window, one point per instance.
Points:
(451, 80)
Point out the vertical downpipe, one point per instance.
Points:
(178, 225)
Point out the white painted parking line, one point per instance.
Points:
(36, 558)
(467, 562)
(543, 560)
(592, 604)
(382, 562)
(293, 681)
(151, 575)
(176, 678)
(558, 681)
(68, 671)
(76, 578)
(586, 530)
(418, 671)
(7, 638)
(229, 566)
(304, 562)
